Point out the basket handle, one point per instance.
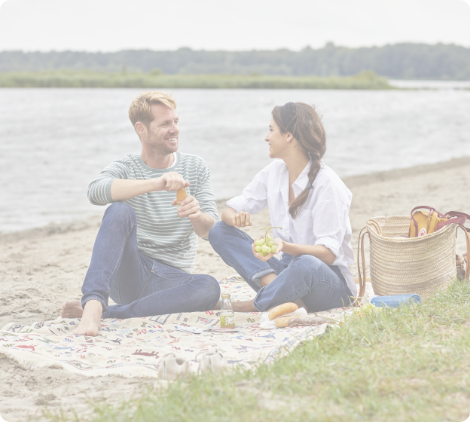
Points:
(376, 225)
(361, 254)
(467, 238)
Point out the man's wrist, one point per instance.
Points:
(156, 184)
(200, 218)
(205, 222)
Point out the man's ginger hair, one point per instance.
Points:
(140, 109)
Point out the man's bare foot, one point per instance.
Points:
(71, 309)
(90, 324)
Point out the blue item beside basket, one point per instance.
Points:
(395, 301)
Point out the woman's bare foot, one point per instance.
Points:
(90, 323)
(248, 305)
(217, 306)
(300, 304)
(71, 309)
(245, 306)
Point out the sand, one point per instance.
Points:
(43, 267)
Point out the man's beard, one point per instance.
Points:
(159, 146)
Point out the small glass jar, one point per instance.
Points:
(227, 316)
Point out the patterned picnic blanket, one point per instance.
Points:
(134, 347)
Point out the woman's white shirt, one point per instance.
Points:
(322, 220)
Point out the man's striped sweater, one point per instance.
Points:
(161, 234)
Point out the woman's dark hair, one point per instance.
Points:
(305, 125)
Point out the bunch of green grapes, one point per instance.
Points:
(265, 245)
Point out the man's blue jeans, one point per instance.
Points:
(141, 286)
(318, 285)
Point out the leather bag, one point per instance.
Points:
(426, 222)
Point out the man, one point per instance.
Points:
(145, 248)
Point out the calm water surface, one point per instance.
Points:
(53, 142)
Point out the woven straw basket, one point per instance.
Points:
(401, 265)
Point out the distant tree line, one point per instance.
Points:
(397, 61)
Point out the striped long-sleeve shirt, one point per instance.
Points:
(161, 234)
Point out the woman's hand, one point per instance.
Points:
(241, 219)
(236, 219)
(279, 245)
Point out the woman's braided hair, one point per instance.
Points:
(305, 125)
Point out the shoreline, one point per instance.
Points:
(350, 181)
(387, 175)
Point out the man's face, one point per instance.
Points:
(163, 131)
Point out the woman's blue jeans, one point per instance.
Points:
(141, 286)
(318, 285)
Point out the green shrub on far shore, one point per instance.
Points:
(155, 79)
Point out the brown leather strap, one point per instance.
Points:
(467, 238)
(457, 214)
(456, 217)
(361, 254)
(455, 220)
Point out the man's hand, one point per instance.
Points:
(171, 182)
(189, 208)
(278, 242)
(124, 189)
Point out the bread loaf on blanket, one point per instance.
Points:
(283, 321)
(285, 308)
(305, 320)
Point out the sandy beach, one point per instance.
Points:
(41, 268)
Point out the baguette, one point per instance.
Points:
(284, 321)
(285, 308)
(306, 320)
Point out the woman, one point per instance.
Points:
(311, 204)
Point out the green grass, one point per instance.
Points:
(409, 364)
(89, 79)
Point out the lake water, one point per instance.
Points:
(53, 142)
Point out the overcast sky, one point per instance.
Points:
(110, 25)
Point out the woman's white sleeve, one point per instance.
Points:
(254, 197)
(330, 224)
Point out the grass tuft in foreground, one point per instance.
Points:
(91, 79)
(408, 364)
